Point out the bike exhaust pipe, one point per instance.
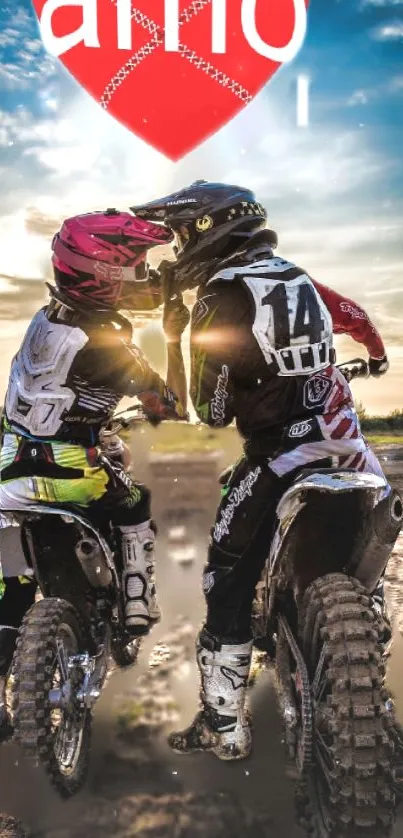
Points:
(93, 562)
(382, 530)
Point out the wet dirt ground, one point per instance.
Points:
(134, 775)
(24, 792)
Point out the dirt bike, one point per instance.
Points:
(314, 615)
(68, 637)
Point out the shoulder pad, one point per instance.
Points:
(275, 265)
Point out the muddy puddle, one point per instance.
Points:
(137, 786)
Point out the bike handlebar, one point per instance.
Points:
(357, 368)
(121, 421)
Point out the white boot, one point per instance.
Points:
(223, 725)
(141, 609)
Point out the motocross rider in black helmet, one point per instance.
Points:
(262, 354)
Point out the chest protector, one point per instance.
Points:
(38, 394)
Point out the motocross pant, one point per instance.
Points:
(243, 530)
(66, 475)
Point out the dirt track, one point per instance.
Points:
(135, 782)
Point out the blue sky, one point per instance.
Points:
(333, 190)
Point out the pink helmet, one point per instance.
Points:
(100, 260)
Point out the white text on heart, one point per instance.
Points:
(87, 33)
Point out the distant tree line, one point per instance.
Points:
(392, 423)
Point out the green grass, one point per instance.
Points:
(178, 438)
(385, 439)
(194, 439)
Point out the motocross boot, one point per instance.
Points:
(222, 726)
(141, 608)
(8, 638)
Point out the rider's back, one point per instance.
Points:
(269, 358)
(67, 377)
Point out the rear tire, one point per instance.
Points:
(349, 792)
(62, 749)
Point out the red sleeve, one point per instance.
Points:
(349, 318)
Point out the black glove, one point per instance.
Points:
(378, 367)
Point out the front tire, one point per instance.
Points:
(59, 738)
(349, 792)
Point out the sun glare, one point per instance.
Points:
(22, 254)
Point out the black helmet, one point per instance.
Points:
(210, 221)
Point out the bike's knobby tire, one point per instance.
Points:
(32, 671)
(336, 615)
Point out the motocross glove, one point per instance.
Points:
(160, 403)
(378, 366)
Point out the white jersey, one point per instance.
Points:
(292, 325)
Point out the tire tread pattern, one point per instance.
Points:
(336, 615)
(32, 681)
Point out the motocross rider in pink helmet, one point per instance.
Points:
(74, 365)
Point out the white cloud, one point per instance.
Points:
(359, 97)
(8, 37)
(391, 31)
(30, 64)
(11, 78)
(87, 161)
(381, 3)
(396, 84)
(385, 291)
(343, 237)
(25, 71)
(391, 87)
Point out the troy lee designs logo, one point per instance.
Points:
(348, 308)
(316, 391)
(238, 494)
(220, 396)
(300, 429)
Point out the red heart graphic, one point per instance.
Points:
(174, 100)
